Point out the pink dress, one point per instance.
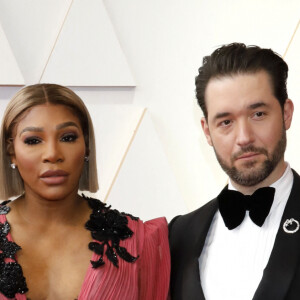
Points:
(146, 279)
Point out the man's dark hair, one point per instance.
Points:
(238, 58)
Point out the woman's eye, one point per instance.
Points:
(69, 138)
(32, 141)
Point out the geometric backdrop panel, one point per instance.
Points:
(146, 185)
(114, 126)
(10, 73)
(31, 28)
(87, 51)
(292, 58)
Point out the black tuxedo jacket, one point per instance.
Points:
(281, 277)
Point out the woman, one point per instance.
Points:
(56, 244)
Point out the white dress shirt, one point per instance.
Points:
(232, 261)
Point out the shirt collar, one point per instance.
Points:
(282, 186)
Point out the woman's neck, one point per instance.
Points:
(34, 210)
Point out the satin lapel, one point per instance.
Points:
(192, 283)
(285, 255)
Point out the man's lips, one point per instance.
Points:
(54, 177)
(248, 155)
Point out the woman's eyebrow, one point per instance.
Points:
(66, 124)
(41, 129)
(31, 128)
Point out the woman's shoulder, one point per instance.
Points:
(156, 224)
(4, 206)
(154, 235)
(152, 230)
(155, 262)
(117, 229)
(4, 210)
(111, 231)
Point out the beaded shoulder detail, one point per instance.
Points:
(108, 227)
(12, 280)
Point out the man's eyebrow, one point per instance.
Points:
(31, 128)
(221, 115)
(257, 105)
(66, 124)
(251, 106)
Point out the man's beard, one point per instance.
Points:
(252, 176)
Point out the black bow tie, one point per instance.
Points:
(233, 206)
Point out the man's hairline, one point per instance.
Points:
(237, 73)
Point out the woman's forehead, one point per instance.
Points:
(47, 115)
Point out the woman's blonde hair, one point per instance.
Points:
(11, 183)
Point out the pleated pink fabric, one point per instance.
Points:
(145, 279)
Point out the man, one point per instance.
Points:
(237, 246)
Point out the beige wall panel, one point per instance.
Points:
(146, 185)
(32, 27)
(10, 73)
(293, 60)
(114, 128)
(87, 52)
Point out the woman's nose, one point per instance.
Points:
(52, 153)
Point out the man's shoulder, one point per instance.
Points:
(193, 220)
(211, 205)
(296, 175)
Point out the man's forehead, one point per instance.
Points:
(245, 91)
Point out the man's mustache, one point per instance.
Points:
(249, 149)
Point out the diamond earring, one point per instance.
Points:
(13, 166)
(86, 158)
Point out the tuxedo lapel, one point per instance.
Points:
(185, 278)
(285, 256)
(192, 271)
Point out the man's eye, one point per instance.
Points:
(225, 123)
(259, 114)
(32, 141)
(69, 138)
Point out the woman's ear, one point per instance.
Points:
(10, 147)
(10, 151)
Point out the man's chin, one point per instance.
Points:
(250, 175)
(244, 165)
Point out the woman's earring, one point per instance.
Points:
(86, 158)
(13, 166)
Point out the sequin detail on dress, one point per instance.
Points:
(108, 227)
(12, 280)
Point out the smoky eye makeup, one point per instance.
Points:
(69, 137)
(32, 140)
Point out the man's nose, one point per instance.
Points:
(244, 133)
(52, 152)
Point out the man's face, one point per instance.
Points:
(246, 127)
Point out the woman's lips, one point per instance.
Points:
(52, 177)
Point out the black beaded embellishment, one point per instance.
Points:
(108, 227)
(12, 280)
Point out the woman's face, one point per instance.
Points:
(49, 151)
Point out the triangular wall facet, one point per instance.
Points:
(10, 73)
(87, 52)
